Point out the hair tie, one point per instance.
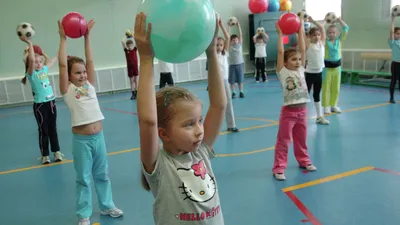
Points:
(166, 99)
(69, 57)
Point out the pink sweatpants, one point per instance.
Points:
(292, 123)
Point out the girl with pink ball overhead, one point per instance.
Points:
(293, 117)
(77, 80)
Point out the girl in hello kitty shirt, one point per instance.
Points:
(179, 175)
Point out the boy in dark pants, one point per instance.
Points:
(260, 43)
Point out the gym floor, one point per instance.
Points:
(357, 157)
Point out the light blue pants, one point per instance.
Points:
(90, 158)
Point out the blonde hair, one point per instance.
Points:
(26, 61)
(166, 100)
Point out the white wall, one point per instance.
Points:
(112, 19)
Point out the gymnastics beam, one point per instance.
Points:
(376, 55)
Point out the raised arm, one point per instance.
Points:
(255, 38)
(391, 29)
(240, 32)
(146, 100)
(226, 34)
(301, 42)
(266, 37)
(62, 61)
(50, 61)
(124, 42)
(320, 27)
(281, 50)
(216, 90)
(31, 56)
(91, 74)
(345, 31)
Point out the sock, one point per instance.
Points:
(318, 108)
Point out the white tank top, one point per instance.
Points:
(315, 57)
(83, 104)
(223, 64)
(261, 50)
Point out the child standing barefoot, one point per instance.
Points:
(179, 175)
(293, 118)
(89, 148)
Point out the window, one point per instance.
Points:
(318, 9)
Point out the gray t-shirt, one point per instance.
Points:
(185, 189)
(236, 54)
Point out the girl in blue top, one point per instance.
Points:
(44, 106)
(394, 44)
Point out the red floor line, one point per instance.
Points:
(310, 217)
(121, 111)
(387, 171)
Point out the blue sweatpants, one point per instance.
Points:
(90, 158)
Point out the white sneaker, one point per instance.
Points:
(322, 120)
(58, 156)
(45, 160)
(311, 167)
(327, 110)
(112, 212)
(336, 109)
(84, 221)
(279, 176)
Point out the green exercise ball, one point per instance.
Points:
(181, 29)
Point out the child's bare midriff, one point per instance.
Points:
(88, 129)
(300, 105)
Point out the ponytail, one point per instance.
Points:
(23, 80)
(145, 184)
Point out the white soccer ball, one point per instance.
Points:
(232, 21)
(396, 10)
(25, 30)
(303, 14)
(330, 17)
(260, 30)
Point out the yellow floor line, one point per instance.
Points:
(221, 133)
(327, 179)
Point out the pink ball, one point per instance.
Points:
(258, 6)
(74, 25)
(289, 23)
